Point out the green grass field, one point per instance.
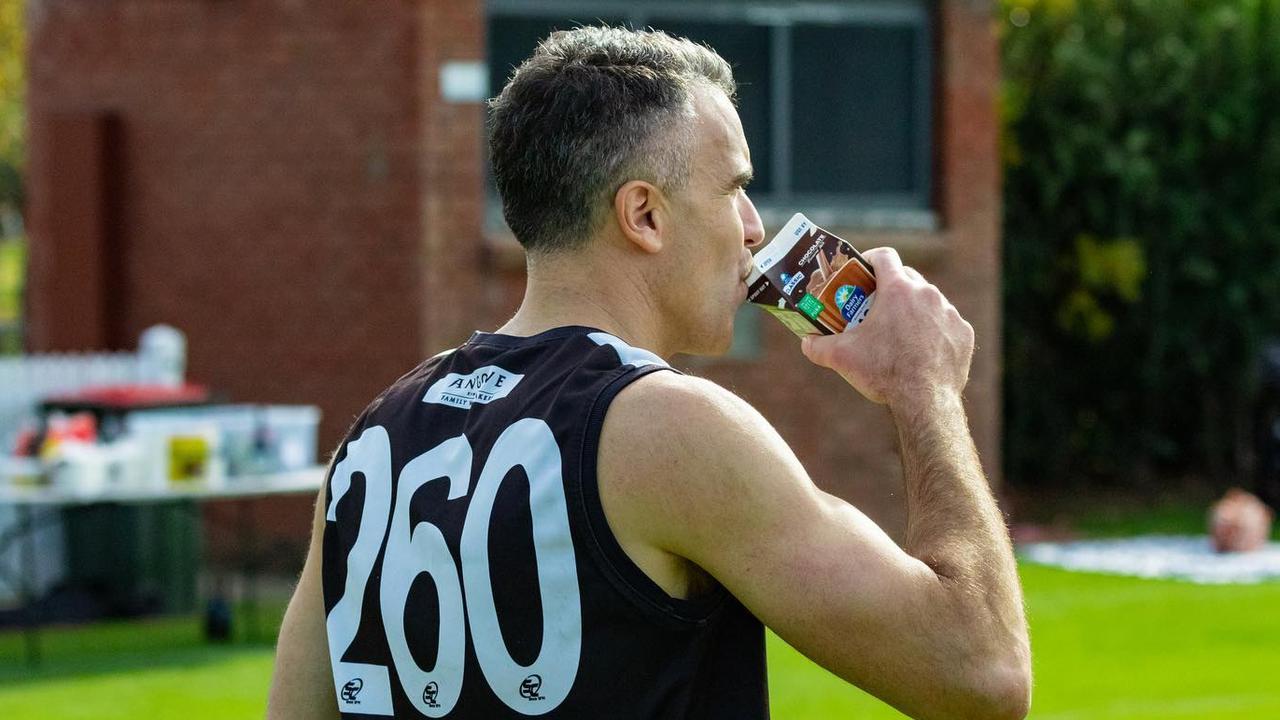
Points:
(1105, 647)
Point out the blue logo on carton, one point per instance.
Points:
(849, 298)
(789, 282)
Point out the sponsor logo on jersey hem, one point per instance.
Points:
(351, 690)
(483, 385)
(530, 686)
(429, 694)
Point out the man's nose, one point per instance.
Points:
(752, 226)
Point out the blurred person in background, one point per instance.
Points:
(603, 536)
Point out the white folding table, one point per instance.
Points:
(30, 501)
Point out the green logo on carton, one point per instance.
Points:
(810, 305)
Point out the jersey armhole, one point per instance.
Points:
(617, 566)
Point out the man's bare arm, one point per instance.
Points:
(915, 358)
(955, 527)
(302, 684)
(953, 523)
(690, 469)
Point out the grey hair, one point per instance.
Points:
(591, 109)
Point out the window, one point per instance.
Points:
(835, 97)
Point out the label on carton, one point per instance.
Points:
(811, 281)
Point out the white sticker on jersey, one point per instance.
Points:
(362, 689)
(483, 385)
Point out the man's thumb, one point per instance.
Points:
(818, 348)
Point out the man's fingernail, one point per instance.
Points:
(805, 342)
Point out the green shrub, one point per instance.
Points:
(12, 103)
(1141, 149)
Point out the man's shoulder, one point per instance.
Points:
(671, 427)
(686, 466)
(668, 403)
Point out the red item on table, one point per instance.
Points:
(134, 396)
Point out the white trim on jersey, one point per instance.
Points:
(629, 355)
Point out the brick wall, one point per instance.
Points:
(270, 187)
(270, 181)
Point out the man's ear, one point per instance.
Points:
(640, 209)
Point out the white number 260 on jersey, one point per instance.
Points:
(531, 690)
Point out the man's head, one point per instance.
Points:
(622, 153)
(593, 108)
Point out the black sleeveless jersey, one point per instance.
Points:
(469, 571)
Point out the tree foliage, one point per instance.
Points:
(12, 102)
(1141, 148)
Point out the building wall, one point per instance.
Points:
(263, 190)
(283, 181)
(268, 184)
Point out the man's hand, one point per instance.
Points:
(913, 343)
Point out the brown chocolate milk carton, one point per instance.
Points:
(811, 280)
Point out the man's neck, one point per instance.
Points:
(558, 294)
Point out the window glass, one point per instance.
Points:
(857, 130)
(512, 40)
(853, 118)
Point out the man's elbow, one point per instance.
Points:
(1007, 690)
(993, 690)
(996, 688)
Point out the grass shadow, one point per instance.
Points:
(126, 646)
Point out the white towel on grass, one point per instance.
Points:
(1179, 557)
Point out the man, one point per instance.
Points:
(549, 520)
